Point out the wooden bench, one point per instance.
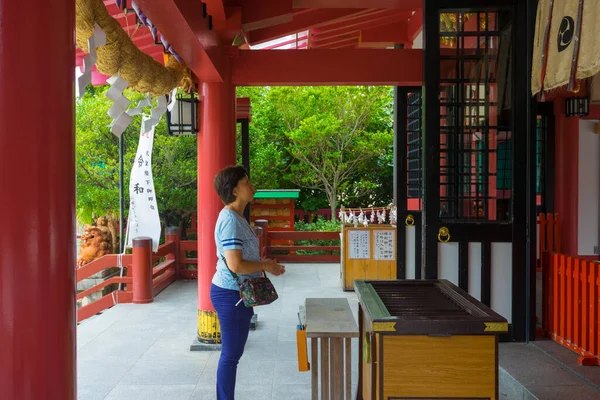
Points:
(330, 322)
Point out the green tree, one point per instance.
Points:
(97, 161)
(277, 112)
(336, 133)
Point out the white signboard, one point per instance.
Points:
(359, 245)
(384, 245)
(143, 211)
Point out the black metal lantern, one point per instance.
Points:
(183, 119)
(577, 106)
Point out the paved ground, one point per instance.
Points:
(142, 351)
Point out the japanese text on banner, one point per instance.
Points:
(143, 211)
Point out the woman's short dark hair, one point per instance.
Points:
(226, 180)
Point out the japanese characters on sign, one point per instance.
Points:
(359, 244)
(384, 245)
(143, 211)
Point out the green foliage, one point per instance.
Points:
(334, 142)
(97, 160)
(319, 225)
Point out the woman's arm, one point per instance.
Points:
(237, 264)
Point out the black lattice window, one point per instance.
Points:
(414, 134)
(475, 116)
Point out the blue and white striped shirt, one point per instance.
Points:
(232, 232)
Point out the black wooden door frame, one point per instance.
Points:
(521, 232)
(401, 182)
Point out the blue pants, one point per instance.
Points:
(235, 325)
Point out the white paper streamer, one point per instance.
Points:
(172, 100)
(121, 119)
(97, 39)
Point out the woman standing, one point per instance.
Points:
(238, 246)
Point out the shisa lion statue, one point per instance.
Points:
(96, 241)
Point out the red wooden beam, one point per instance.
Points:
(356, 28)
(300, 22)
(336, 41)
(328, 67)
(373, 20)
(182, 24)
(216, 9)
(393, 33)
(415, 25)
(398, 4)
(258, 15)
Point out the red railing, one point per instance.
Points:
(160, 269)
(548, 238)
(571, 309)
(295, 252)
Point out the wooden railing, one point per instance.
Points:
(153, 273)
(571, 309)
(296, 252)
(548, 237)
(123, 294)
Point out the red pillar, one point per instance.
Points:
(37, 200)
(216, 150)
(567, 175)
(142, 270)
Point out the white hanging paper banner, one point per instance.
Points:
(172, 100)
(145, 102)
(121, 119)
(97, 39)
(143, 210)
(120, 105)
(117, 86)
(119, 125)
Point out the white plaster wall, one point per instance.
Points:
(475, 270)
(501, 271)
(448, 261)
(588, 218)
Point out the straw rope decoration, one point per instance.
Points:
(120, 55)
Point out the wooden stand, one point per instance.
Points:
(426, 340)
(370, 267)
(330, 322)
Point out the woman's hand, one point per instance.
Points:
(273, 267)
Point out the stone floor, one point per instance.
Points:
(142, 351)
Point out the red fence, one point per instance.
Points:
(571, 309)
(296, 252)
(548, 237)
(144, 274)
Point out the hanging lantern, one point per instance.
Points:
(577, 106)
(183, 119)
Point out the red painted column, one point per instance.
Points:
(37, 200)
(216, 150)
(567, 175)
(142, 270)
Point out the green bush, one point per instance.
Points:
(319, 225)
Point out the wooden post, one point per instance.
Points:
(142, 270)
(264, 224)
(173, 234)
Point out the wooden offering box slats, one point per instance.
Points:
(426, 339)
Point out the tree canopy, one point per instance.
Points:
(335, 143)
(97, 160)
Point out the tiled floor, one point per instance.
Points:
(142, 351)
